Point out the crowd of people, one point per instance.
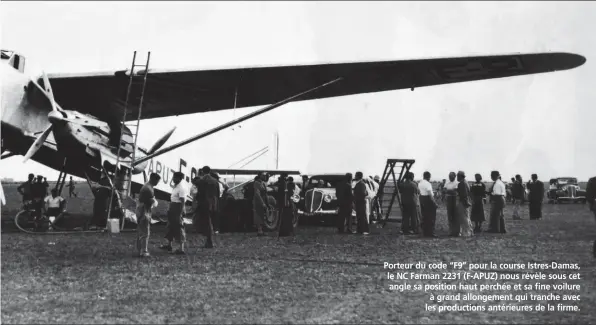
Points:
(464, 204)
(45, 203)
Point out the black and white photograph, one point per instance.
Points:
(298, 162)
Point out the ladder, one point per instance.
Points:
(404, 166)
(122, 177)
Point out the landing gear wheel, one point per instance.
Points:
(272, 218)
(25, 221)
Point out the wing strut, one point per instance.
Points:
(228, 124)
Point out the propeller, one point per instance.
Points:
(161, 141)
(52, 116)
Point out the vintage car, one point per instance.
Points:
(568, 190)
(319, 201)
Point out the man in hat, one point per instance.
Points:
(498, 193)
(176, 231)
(536, 197)
(145, 203)
(208, 197)
(428, 206)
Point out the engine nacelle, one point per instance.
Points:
(138, 169)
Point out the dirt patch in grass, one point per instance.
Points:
(316, 277)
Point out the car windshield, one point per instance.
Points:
(567, 180)
(325, 181)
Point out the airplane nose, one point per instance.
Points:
(55, 116)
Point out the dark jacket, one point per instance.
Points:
(517, 190)
(536, 191)
(409, 193)
(208, 193)
(360, 192)
(344, 194)
(463, 193)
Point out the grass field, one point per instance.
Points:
(317, 277)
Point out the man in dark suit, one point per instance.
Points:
(360, 194)
(207, 197)
(536, 197)
(410, 201)
(345, 199)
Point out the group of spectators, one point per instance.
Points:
(35, 196)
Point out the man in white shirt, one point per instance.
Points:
(428, 206)
(54, 204)
(175, 226)
(498, 193)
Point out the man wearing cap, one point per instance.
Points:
(536, 197)
(428, 206)
(146, 201)
(498, 193)
(463, 205)
(208, 198)
(176, 231)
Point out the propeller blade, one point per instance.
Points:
(49, 93)
(161, 141)
(38, 143)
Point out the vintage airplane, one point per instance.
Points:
(73, 123)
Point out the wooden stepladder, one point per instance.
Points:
(385, 188)
(127, 149)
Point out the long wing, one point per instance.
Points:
(184, 92)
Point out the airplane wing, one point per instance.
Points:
(171, 93)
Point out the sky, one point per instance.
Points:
(531, 124)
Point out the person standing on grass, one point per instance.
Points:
(208, 198)
(428, 206)
(498, 193)
(451, 203)
(517, 194)
(536, 197)
(71, 188)
(25, 189)
(145, 203)
(410, 201)
(176, 231)
(260, 202)
(360, 194)
(345, 200)
(463, 205)
(478, 190)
